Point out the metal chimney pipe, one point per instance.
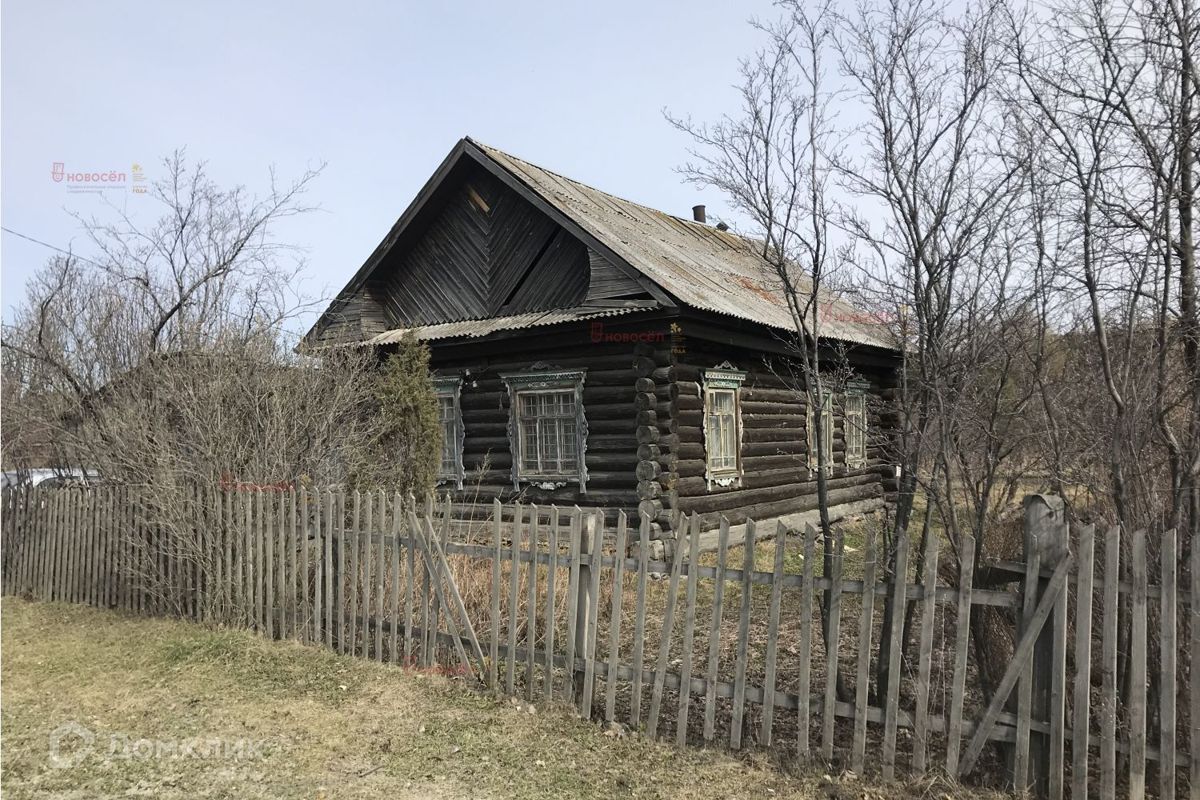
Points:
(698, 214)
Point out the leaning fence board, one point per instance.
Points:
(1022, 652)
(639, 621)
(866, 616)
(1083, 664)
(1137, 670)
(768, 712)
(614, 620)
(714, 632)
(689, 629)
(966, 565)
(664, 639)
(832, 636)
(739, 679)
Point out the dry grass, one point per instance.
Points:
(332, 726)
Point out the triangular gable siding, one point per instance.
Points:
(488, 252)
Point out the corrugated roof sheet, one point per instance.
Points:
(474, 329)
(705, 268)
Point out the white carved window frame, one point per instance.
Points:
(810, 424)
(540, 380)
(450, 387)
(722, 381)
(854, 420)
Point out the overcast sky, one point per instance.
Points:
(380, 92)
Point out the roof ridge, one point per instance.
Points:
(616, 197)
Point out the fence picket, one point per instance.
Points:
(614, 622)
(962, 635)
(270, 545)
(858, 750)
(572, 593)
(366, 535)
(297, 582)
(1025, 687)
(1108, 666)
(804, 673)
(327, 569)
(1137, 670)
(1058, 691)
(739, 678)
(768, 712)
(410, 576)
(1194, 672)
(668, 626)
(832, 637)
(494, 654)
(1168, 595)
(397, 511)
(899, 605)
(639, 621)
(689, 628)
(514, 619)
(551, 590)
(1083, 663)
(594, 525)
(531, 606)
(714, 633)
(380, 567)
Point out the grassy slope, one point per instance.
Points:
(336, 726)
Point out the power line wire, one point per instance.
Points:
(244, 317)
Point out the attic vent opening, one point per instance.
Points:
(478, 200)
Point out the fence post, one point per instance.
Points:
(1046, 533)
(583, 601)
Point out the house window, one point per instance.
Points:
(547, 427)
(722, 426)
(825, 419)
(855, 422)
(448, 391)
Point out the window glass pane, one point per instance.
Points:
(721, 429)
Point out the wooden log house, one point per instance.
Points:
(589, 350)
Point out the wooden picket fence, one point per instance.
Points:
(548, 604)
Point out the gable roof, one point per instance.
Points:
(678, 261)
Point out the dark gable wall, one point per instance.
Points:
(485, 252)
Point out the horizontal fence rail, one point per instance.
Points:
(858, 654)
